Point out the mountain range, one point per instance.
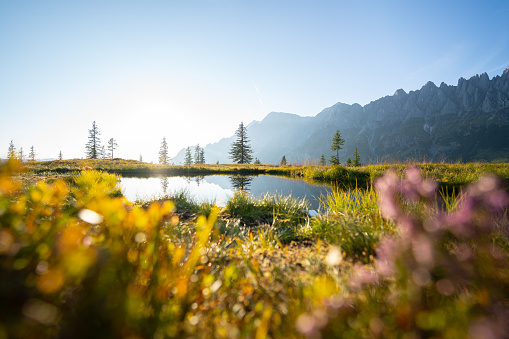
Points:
(466, 122)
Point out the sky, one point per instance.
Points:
(191, 70)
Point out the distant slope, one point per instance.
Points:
(467, 122)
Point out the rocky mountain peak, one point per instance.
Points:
(399, 92)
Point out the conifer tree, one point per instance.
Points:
(60, 156)
(257, 162)
(141, 158)
(323, 162)
(240, 151)
(163, 153)
(188, 159)
(103, 154)
(112, 145)
(93, 146)
(356, 158)
(20, 154)
(349, 162)
(283, 161)
(202, 155)
(197, 154)
(11, 153)
(32, 154)
(337, 142)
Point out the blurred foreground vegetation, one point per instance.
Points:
(398, 259)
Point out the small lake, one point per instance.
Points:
(220, 188)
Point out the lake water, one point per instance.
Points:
(221, 187)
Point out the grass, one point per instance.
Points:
(79, 260)
(450, 176)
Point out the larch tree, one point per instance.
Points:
(240, 151)
(197, 154)
(104, 154)
(323, 162)
(93, 146)
(202, 155)
(112, 145)
(11, 153)
(32, 154)
(283, 161)
(337, 143)
(188, 158)
(163, 153)
(356, 158)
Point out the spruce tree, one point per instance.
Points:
(240, 151)
(32, 154)
(283, 161)
(323, 162)
(337, 142)
(11, 153)
(20, 154)
(60, 156)
(257, 162)
(356, 158)
(93, 146)
(188, 159)
(141, 158)
(112, 145)
(349, 162)
(163, 153)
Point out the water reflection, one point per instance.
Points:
(221, 187)
(241, 182)
(164, 184)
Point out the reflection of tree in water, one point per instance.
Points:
(199, 179)
(240, 182)
(164, 183)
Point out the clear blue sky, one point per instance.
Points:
(192, 70)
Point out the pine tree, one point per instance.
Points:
(32, 154)
(283, 161)
(188, 159)
(337, 142)
(240, 151)
(93, 146)
(163, 153)
(323, 162)
(60, 156)
(356, 158)
(11, 153)
(112, 145)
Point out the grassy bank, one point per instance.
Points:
(450, 176)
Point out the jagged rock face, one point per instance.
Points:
(466, 122)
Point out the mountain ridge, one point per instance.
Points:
(464, 122)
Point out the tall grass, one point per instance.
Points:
(352, 220)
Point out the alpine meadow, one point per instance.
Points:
(229, 169)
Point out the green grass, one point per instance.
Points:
(450, 176)
(259, 268)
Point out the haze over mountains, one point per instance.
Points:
(466, 122)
